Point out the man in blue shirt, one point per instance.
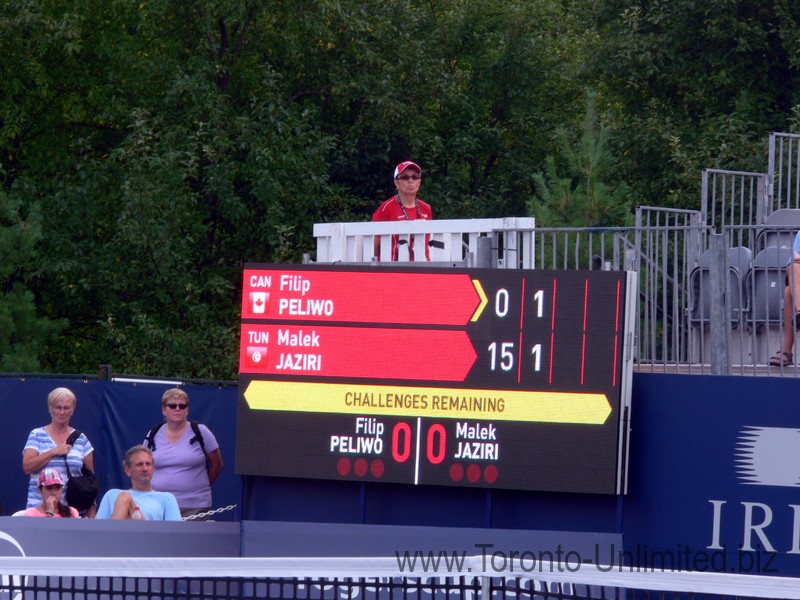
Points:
(140, 502)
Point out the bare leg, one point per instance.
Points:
(791, 298)
(793, 273)
(788, 321)
(123, 506)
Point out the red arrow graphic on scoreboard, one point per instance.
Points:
(361, 297)
(356, 352)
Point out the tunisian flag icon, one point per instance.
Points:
(259, 302)
(256, 356)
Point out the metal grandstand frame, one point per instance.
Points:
(665, 247)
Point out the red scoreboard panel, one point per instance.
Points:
(469, 377)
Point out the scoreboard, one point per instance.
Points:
(493, 378)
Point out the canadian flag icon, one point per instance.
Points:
(259, 302)
(256, 356)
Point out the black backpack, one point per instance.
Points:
(198, 437)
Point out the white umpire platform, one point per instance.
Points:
(453, 242)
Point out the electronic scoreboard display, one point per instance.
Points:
(493, 378)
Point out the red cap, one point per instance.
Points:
(406, 164)
(50, 477)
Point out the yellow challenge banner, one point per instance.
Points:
(410, 401)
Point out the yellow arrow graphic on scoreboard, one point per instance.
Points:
(484, 301)
(392, 400)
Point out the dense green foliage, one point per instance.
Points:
(149, 149)
(695, 85)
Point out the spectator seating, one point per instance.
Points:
(780, 228)
(739, 264)
(766, 282)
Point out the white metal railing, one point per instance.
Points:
(783, 171)
(450, 241)
(666, 248)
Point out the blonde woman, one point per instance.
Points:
(47, 446)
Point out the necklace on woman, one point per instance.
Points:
(174, 437)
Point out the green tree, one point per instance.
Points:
(694, 86)
(25, 337)
(579, 187)
(168, 143)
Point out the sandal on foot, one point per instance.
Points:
(781, 359)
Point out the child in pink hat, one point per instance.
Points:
(50, 485)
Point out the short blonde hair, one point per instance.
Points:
(176, 394)
(61, 393)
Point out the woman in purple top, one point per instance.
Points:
(181, 465)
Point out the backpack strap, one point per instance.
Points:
(71, 441)
(198, 437)
(151, 436)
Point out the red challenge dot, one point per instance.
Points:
(360, 467)
(456, 472)
(490, 474)
(377, 468)
(473, 473)
(343, 466)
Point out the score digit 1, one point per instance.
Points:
(537, 357)
(538, 299)
(536, 351)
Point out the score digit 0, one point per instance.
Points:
(436, 446)
(401, 436)
(501, 303)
